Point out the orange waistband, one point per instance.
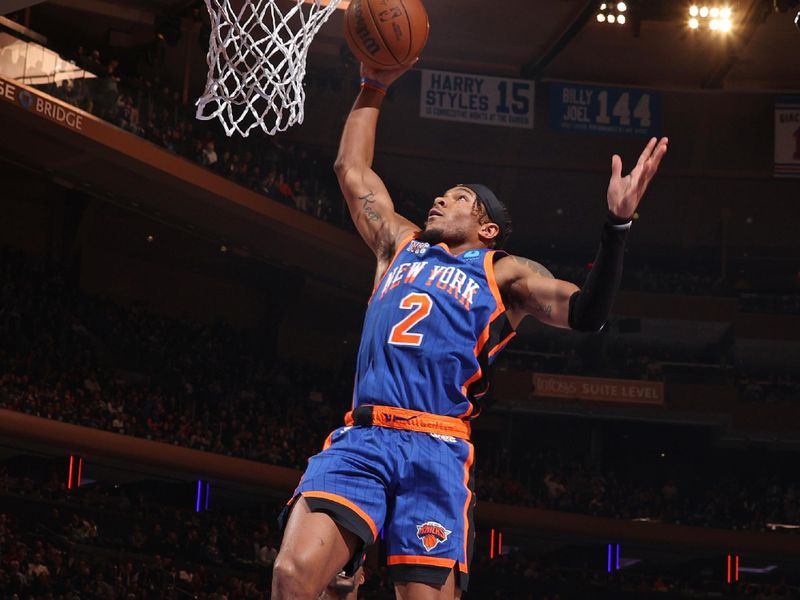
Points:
(410, 420)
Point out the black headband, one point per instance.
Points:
(496, 210)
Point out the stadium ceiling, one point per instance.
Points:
(553, 39)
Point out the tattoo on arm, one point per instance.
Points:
(545, 309)
(371, 213)
(534, 266)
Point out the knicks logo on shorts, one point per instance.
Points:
(431, 534)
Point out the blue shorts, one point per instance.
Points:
(413, 488)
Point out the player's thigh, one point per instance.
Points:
(413, 590)
(314, 546)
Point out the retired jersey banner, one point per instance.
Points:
(573, 387)
(604, 110)
(476, 99)
(787, 137)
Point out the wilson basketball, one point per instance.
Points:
(386, 34)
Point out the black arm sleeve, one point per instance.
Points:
(590, 306)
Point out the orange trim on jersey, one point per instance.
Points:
(345, 502)
(400, 248)
(465, 387)
(488, 267)
(414, 420)
(467, 466)
(328, 440)
(502, 344)
(431, 561)
(484, 392)
(467, 413)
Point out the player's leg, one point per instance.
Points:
(314, 549)
(334, 515)
(343, 587)
(413, 590)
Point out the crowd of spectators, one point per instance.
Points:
(80, 359)
(776, 304)
(295, 175)
(117, 542)
(646, 278)
(770, 388)
(519, 575)
(743, 493)
(669, 279)
(134, 542)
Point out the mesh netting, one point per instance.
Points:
(257, 62)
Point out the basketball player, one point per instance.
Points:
(446, 301)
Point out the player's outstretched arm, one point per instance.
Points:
(370, 205)
(531, 289)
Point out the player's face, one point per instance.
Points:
(453, 215)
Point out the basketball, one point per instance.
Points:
(386, 34)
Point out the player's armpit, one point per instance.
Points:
(372, 210)
(530, 289)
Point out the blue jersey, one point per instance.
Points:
(434, 324)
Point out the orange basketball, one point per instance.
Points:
(386, 34)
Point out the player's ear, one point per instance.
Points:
(489, 231)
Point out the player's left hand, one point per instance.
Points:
(625, 193)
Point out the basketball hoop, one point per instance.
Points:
(257, 62)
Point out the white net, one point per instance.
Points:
(257, 62)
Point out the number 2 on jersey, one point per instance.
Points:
(420, 305)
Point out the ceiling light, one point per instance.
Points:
(612, 12)
(714, 18)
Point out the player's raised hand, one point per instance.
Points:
(386, 76)
(625, 193)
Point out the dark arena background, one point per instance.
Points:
(180, 310)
